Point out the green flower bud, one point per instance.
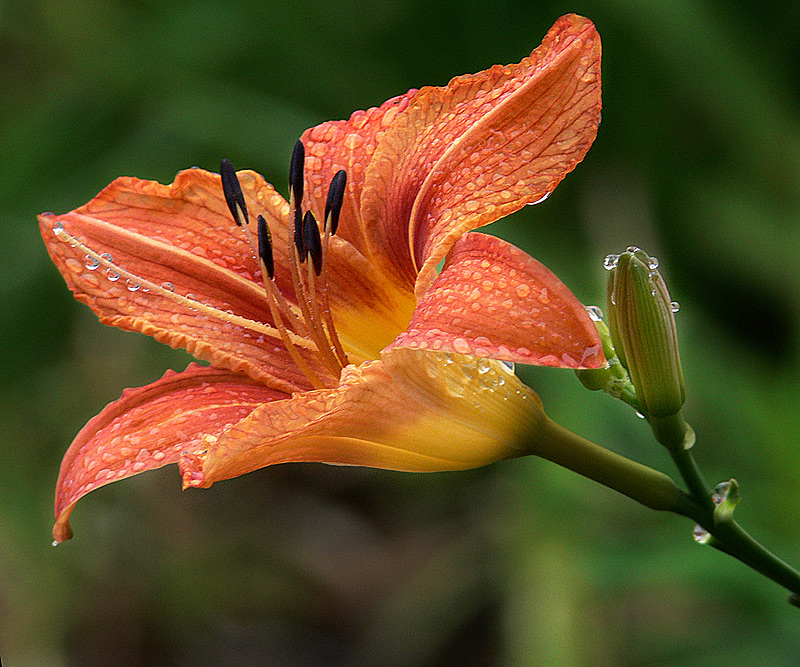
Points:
(642, 324)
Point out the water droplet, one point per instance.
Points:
(639, 415)
(58, 229)
(721, 492)
(90, 262)
(54, 543)
(700, 534)
(131, 285)
(631, 248)
(192, 297)
(507, 366)
(610, 262)
(107, 256)
(595, 313)
(653, 263)
(484, 366)
(112, 275)
(674, 306)
(168, 286)
(540, 200)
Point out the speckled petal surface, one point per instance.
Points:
(349, 145)
(148, 427)
(465, 155)
(181, 236)
(412, 410)
(494, 300)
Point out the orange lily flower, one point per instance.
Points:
(340, 341)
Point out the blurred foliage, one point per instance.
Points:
(697, 161)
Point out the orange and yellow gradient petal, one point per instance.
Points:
(412, 410)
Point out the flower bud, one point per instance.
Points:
(642, 323)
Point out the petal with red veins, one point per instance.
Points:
(412, 410)
(148, 427)
(494, 300)
(465, 155)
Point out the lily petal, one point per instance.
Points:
(494, 300)
(412, 410)
(463, 156)
(349, 145)
(148, 427)
(179, 236)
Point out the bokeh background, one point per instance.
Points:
(697, 161)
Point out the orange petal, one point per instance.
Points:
(148, 428)
(349, 145)
(494, 300)
(468, 154)
(413, 410)
(180, 235)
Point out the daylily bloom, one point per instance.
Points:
(340, 341)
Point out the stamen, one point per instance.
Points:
(333, 206)
(232, 190)
(267, 268)
(312, 241)
(296, 171)
(299, 236)
(265, 246)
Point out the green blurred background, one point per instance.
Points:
(521, 563)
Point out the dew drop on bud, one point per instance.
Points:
(595, 313)
(653, 263)
(54, 543)
(632, 248)
(610, 262)
(639, 415)
(700, 534)
(674, 306)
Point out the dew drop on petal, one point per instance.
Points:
(168, 286)
(90, 262)
(112, 275)
(508, 366)
(540, 200)
(131, 285)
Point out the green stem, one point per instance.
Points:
(657, 491)
(678, 437)
(645, 485)
(737, 542)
